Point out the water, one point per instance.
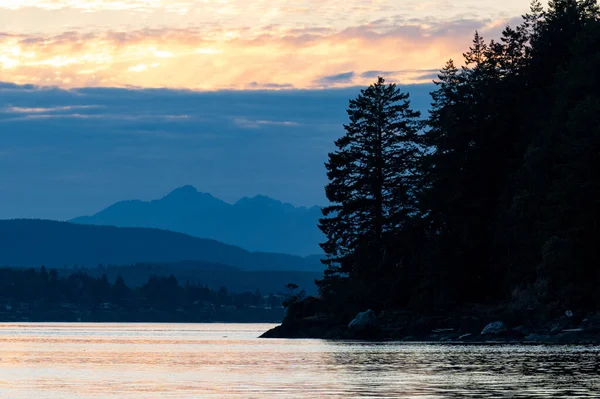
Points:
(227, 361)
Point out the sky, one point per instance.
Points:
(105, 100)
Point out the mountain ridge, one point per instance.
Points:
(59, 244)
(258, 223)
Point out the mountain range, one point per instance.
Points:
(34, 243)
(255, 224)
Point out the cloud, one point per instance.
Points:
(429, 76)
(42, 110)
(37, 15)
(270, 86)
(14, 86)
(141, 96)
(344, 78)
(376, 74)
(141, 143)
(269, 57)
(90, 6)
(246, 123)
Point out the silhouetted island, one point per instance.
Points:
(480, 222)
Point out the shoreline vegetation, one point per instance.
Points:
(29, 295)
(307, 318)
(481, 222)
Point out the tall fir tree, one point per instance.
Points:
(371, 188)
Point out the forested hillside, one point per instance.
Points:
(58, 244)
(491, 200)
(496, 195)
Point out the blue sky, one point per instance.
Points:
(65, 153)
(105, 100)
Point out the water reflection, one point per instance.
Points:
(227, 361)
(473, 371)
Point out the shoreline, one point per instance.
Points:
(475, 324)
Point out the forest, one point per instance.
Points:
(45, 295)
(490, 200)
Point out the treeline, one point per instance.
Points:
(211, 275)
(494, 198)
(44, 295)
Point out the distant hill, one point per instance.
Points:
(256, 224)
(59, 244)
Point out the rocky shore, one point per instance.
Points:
(469, 324)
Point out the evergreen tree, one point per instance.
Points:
(372, 176)
(120, 291)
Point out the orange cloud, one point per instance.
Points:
(276, 57)
(235, 43)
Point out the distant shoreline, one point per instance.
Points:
(273, 316)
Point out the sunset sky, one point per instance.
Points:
(244, 44)
(84, 124)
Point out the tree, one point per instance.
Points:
(371, 188)
(293, 295)
(120, 291)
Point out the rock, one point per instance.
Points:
(307, 307)
(272, 333)
(424, 324)
(496, 327)
(521, 331)
(442, 330)
(470, 324)
(334, 333)
(363, 320)
(560, 324)
(541, 338)
(570, 337)
(305, 319)
(316, 331)
(592, 324)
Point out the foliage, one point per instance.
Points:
(497, 200)
(43, 295)
(293, 295)
(371, 178)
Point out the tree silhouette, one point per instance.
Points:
(371, 180)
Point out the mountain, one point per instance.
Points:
(57, 244)
(257, 224)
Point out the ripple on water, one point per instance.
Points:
(80, 360)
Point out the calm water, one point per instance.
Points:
(227, 361)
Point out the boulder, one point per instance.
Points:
(521, 331)
(364, 320)
(557, 325)
(541, 338)
(470, 324)
(571, 336)
(307, 307)
(496, 327)
(591, 323)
